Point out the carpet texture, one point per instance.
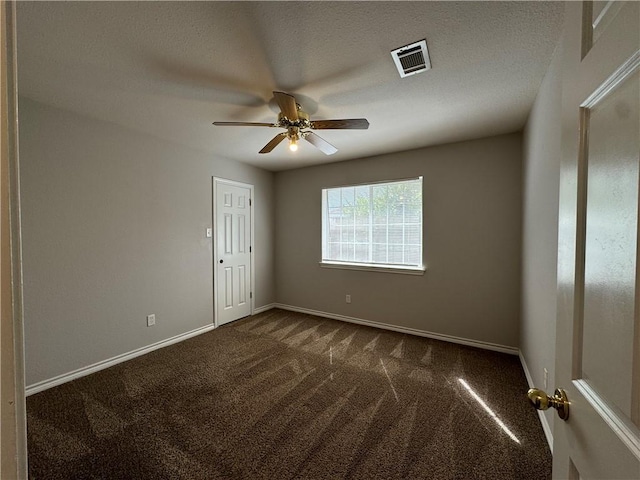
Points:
(283, 395)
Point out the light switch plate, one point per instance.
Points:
(209, 232)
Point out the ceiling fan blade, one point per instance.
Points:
(273, 143)
(351, 123)
(244, 124)
(320, 143)
(287, 104)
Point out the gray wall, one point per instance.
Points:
(542, 152)
(472, 240)
(114, 229)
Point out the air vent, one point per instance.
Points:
(412, 59)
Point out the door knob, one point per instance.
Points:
(542, 401)
(221, 261)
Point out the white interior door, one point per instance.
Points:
(232, 257)
(598, 332)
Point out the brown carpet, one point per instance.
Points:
(285, 395)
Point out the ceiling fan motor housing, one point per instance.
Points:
(301, 122)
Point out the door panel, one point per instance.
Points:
(611, 154)
(233, 252)
(597, 327)
(242, 238)
(242, 284)
(602, 13)
(228, 288)
(228, 233)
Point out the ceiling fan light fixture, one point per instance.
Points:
(294, 135)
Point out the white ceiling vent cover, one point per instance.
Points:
(412, 59)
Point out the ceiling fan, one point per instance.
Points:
(297, 123)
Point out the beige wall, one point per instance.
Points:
(114, 229)
(472, 239)
(542, 152)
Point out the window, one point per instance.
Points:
(373, 226)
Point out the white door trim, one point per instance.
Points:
(216, 181)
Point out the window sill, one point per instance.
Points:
(374, 268)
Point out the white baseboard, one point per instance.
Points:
(81, 372)
(543, 419)
(396, 328)
(264, 308)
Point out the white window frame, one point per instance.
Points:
(378, 267)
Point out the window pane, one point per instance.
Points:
(333, 198)
(412, 234)
(395, 234)
(362, 253)
(362, 208)
(380, 233)
(347, 234)
(362, 234)
(395, 253)
(348, 214)
(335, 216)
(379, 253)
(379, 204)
(412, 255)
(347, 252)
(348, 196)
(413, 213)
(334, 251)
(396, 213)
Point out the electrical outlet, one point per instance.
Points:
(546, 378)
(348, 299)
(151, 320)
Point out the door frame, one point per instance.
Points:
(214, 253)
(13, 427)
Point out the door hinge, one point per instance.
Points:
(249, 249)
(250, 294)
(249, 202)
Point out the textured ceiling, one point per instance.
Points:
(170, 69)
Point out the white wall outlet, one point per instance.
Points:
(546, 378)
(151, 320)
(209, 232)
(348, 299)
